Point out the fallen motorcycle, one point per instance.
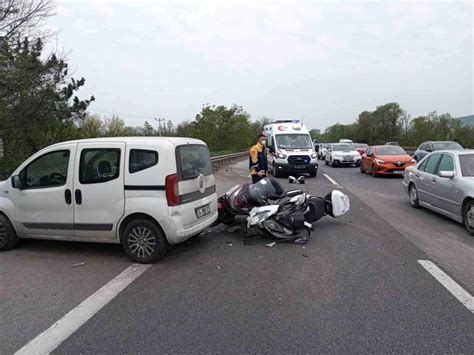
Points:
(267, 208)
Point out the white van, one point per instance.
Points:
(144, 193)
(290, 148)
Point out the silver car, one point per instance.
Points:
(443, 181)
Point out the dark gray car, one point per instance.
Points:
(444, 182)
(427, 147)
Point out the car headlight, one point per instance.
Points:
(338, 156)
(413, 161)
(314, 155)
(281, 155)
(380, 162)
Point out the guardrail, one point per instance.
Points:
(228, 158)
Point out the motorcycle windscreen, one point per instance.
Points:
(340, 203)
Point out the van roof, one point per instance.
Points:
(139, 139)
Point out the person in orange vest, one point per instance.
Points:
(258, 164)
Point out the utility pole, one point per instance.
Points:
(159, 120)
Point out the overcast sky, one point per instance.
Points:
(321, 61)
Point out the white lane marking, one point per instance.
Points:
(452, 286)
(331, 179)
(52, 337)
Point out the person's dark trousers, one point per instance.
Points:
(256, 178)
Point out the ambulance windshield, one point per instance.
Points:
(293, 141)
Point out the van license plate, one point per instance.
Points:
(299, 167)
(202, 211)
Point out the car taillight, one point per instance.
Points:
(172, 190)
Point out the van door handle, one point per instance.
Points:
(68, 196)
(78, 195)
(433, 179)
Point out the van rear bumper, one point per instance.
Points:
(183, 231)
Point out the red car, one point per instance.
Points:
(385, 160)
(361, 147)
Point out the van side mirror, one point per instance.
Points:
(446, 174)
(16, 182)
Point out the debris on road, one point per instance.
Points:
(219, 268)
(229, 243)
(301, 241)
(233, 229)
(305, 255)
(270, 244)
(79, 264)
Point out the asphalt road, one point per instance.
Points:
(356, 287)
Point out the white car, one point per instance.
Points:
(322, 151)
(342, 154)
(144, 193)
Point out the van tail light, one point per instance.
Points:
(172, 190)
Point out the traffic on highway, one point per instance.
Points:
(236, 177)
(272, 219)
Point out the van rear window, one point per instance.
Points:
(193, 160)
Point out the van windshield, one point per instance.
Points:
(193, 160)
(294, 141)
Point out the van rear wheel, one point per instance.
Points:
(143, 241)
(8, 237)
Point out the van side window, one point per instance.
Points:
(141, 159)
(99, 165)
(48, 170)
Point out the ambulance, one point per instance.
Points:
(290, 149)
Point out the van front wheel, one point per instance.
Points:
(143, 241)
(8, 237)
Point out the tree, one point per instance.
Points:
(114, 127)
(386, 120)
(170, 127)
(92, 127)
(223, 129)
(19, 18)
(38, 105)
(315, 134)
(148, 129)
(182, 129)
